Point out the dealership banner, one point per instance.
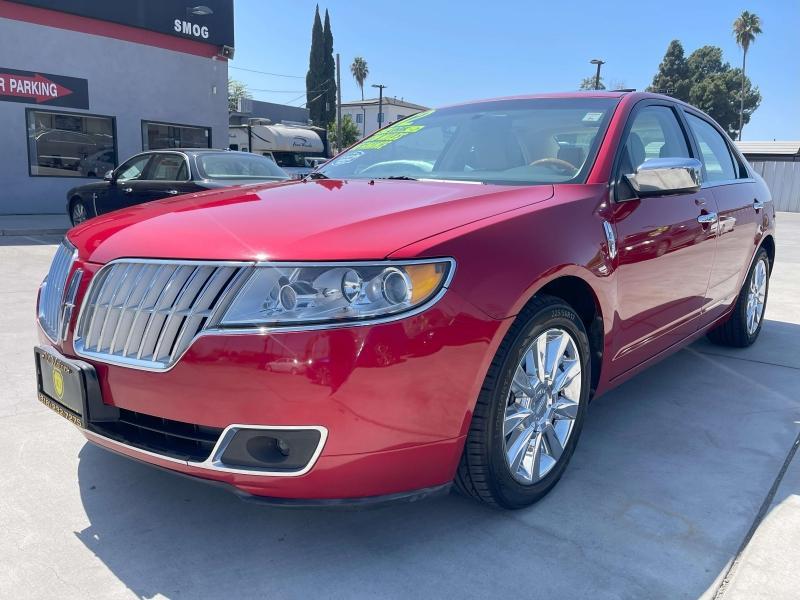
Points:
(34, 87)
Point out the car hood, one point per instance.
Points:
(296, 220)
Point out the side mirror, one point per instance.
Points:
(109, 176)
(664, 176)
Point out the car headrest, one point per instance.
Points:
(635, 149)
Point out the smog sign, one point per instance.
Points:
(34, 87)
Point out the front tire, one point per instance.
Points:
(531, 409)
(744, 324)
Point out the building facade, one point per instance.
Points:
(365, 113)
(86, 84)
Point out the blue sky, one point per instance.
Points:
(437, 52)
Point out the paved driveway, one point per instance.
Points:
(672, 473)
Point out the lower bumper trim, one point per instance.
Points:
(362, 503)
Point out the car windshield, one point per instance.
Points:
(238, 165)
(512, 142)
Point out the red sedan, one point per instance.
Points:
(437, 305)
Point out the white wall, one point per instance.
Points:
(391, 113)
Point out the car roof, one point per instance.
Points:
(570, 95)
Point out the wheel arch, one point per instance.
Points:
(584, 300)
(768, 243)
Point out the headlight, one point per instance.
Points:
(296, 294)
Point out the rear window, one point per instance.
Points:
(238, 165)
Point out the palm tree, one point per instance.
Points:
(745, 29)
(360, 70)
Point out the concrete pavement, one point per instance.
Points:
(674, 471)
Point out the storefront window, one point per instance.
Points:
(157, 136)
(70, 145)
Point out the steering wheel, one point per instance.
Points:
(557, 164)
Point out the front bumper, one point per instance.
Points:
(394, 399)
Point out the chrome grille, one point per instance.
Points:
(52, 293)
(145, 314)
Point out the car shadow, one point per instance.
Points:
(670, 472)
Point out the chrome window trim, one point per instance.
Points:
(215, 330)
(712, 184)
(213, 463)
(185, 160)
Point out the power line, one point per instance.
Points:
(267, 73)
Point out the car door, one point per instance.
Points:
(738, 212)
(168, 175)
(126, 185)
(664, 253)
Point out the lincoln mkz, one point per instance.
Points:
(435, 306)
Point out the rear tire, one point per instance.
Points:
(78, 213)
(516, 410)
(744, 324)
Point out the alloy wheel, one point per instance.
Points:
(756, 296)
(78, 213)
(542, 405)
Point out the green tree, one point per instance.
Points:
(329, 81)
(705, 80)
(350, 133)
(745, 29)
(587, 83)
(715, 88)
(236, 90)
(673, 74)
(315, 78)
(360, 70)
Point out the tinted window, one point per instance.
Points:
(714, 150)
(157, 136)
(289, 159)
(510, 142)
(67, 145)
(168, 167)
(238, 165)
(133, 169)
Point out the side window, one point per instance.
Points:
(654, 133)
(133, 169)
(169, 167)
(714, 152)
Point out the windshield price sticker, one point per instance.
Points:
(389, 135)
(592, 117)
(394, 132)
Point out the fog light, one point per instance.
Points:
(283, 447)
(271, 449)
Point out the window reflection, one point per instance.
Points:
(158, 136)
(69, 145)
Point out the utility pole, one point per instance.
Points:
(599, 63)
(338, 103)
(380, 87)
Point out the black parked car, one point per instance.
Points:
(165, 173)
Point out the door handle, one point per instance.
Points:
(127, 190)
(757, 204)
(173, 192)
(707, 218)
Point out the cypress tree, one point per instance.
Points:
(315, 99)
(329, 81)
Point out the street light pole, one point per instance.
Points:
(380, 87)
(599, 63)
